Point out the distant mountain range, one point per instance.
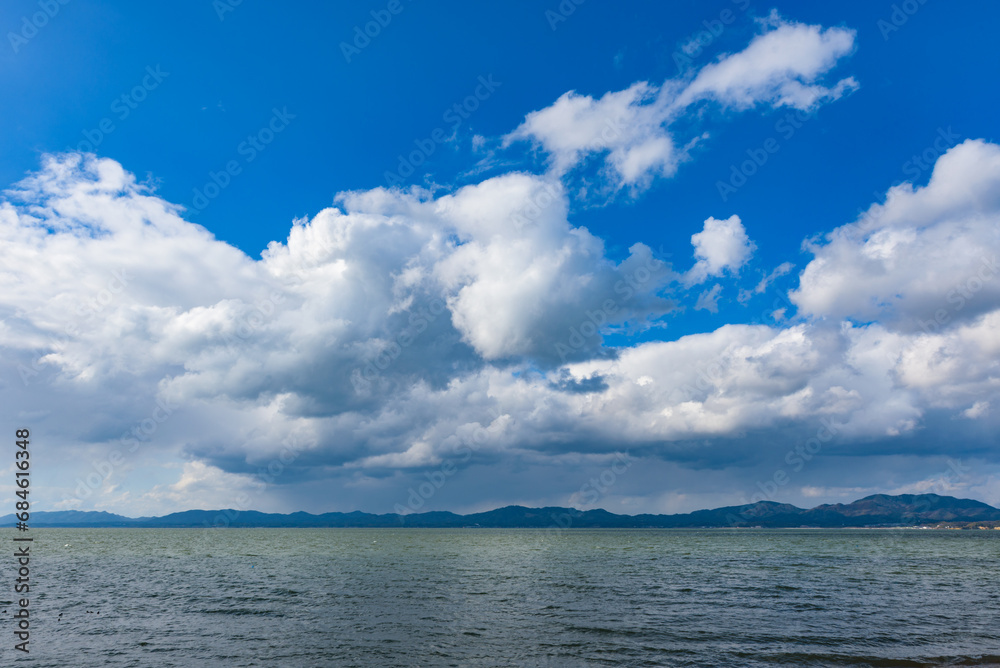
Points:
(875, 510)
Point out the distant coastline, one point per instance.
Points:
(876, 511)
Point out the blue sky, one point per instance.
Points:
(837, 103)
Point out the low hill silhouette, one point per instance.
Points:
(875, 510)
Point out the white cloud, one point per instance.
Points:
(514, 291)
(779, 68)
(708, 300)
(625, 124)
(386, 335)
(209, 485)
(722, 245)
(925, 260)
(848, 493)
(631, 128)
(977, 410)
(766, 281)
(357, 324)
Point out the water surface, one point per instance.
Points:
(485, 597)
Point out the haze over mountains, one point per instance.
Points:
(875, 510)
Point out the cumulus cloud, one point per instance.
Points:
(925, 259)
(721, 246)
(110, 293)
(392, 275)
(631, 128)
(397, 333)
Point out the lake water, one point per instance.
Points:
(484, 597)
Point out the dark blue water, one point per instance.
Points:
(481, 597)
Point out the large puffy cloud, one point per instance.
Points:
(350, 334)
(513, 290)
(399, 332)
(923, 260)
(631, 128)
(111, 280)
